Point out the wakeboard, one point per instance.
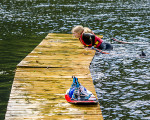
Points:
(78, 94)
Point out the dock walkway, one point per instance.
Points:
(42, 78)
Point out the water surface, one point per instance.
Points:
(121, 79)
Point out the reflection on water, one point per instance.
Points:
(122, 83)
(121, 79)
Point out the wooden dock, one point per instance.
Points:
(42, 78)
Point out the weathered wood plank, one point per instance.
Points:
(43, 77)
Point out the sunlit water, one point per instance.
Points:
(122, 83)
(122, 79)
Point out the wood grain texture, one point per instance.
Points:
(42, 78)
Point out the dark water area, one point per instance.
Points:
(122, 79)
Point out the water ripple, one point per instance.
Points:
(122, 78)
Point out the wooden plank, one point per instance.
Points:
(42, 78)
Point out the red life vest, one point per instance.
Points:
(98, 42)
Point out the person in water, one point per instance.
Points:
(89, 39)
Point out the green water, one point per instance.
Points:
(122, 80)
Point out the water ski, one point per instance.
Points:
(78, 94)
